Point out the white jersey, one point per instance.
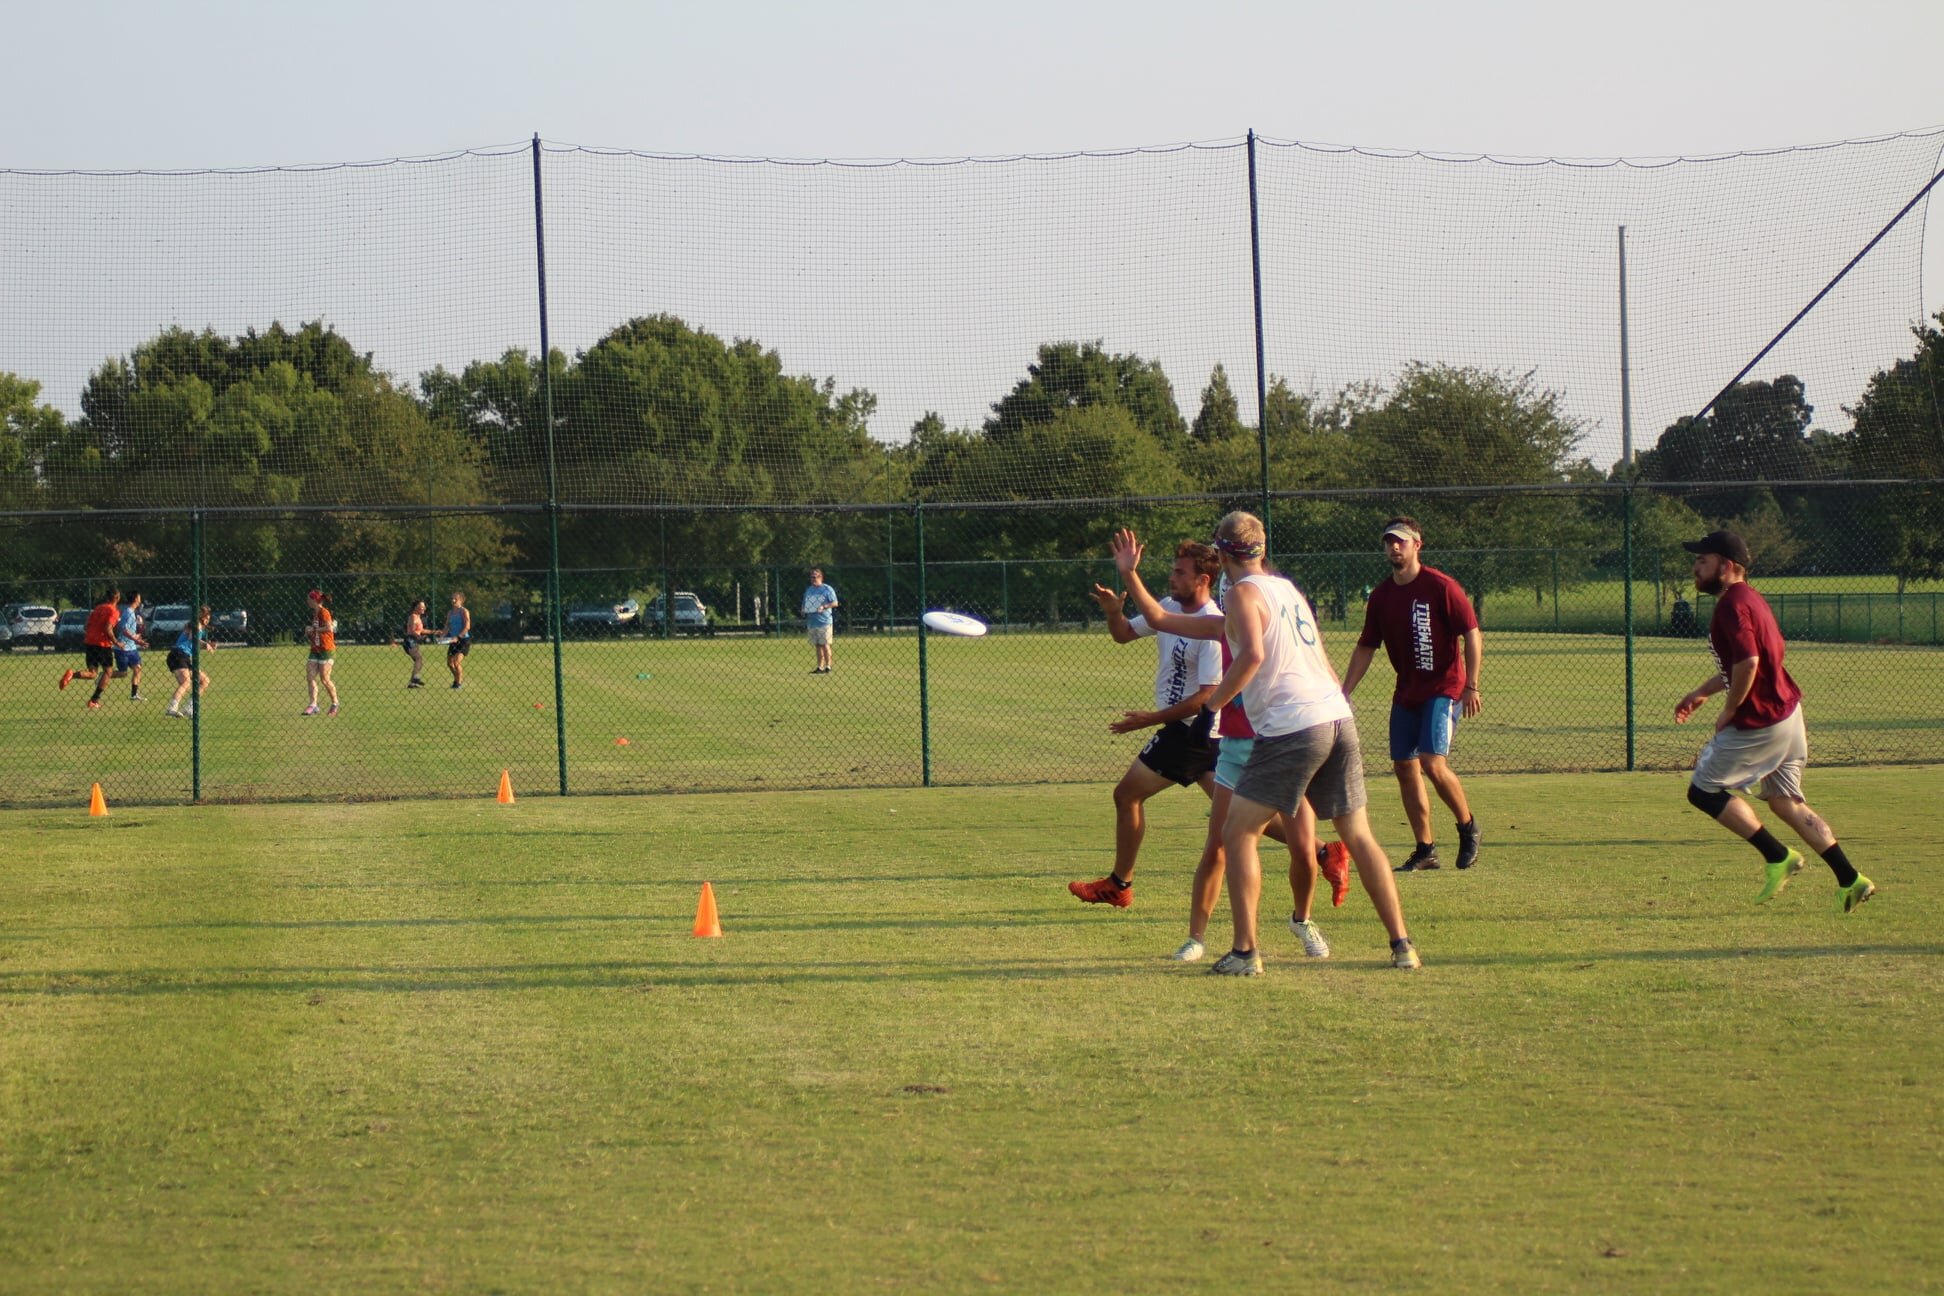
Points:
(1185, 665)
(1294, 687)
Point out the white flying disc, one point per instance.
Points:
(955, 623)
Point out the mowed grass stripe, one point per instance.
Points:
(457, 1046)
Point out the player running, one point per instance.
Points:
(98, 647)
(1182, 750)
(459, 631)
(182, 664)
(1760, 744)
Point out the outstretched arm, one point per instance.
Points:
(1113, 605)
(1127, 560)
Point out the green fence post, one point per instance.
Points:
(890, 589)
(1005, 595)
(553, 485)
(924, 682)
(195, 653)
(1626, 550)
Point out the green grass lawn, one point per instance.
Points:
(736, 714)
(454, 1046)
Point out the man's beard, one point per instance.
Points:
(1708, 584)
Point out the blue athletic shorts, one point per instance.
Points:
(1424, 730)
(127, 658)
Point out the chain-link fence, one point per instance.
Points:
(665, 650)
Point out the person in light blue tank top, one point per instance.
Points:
(182, 664)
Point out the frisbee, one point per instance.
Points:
(955, 623)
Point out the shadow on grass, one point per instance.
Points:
(645, 974)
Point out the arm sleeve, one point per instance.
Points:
(1743, 639)
(1208, 669)
(1139, 625)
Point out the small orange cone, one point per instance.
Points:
(706, 922)
(97, 806)
(506, 788)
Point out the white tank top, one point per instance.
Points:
(1294, 688)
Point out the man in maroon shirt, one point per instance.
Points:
(1422, 618)
(1760, 744)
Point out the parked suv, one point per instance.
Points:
(165, 622)
(691, 613)
(70, 628)
(30, 623)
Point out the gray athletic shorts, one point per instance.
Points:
(820, 635)
(1323, 763)
(1761, 762)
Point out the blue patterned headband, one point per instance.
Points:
(1236, 549)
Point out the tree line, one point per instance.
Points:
(660, 410)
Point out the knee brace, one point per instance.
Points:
(1709, 803)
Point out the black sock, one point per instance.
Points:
(1400, 942)
(1469, 828)
(1121, 882)
(1772, 850)
(1839, 865)
(1247, 953)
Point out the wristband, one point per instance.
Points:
(1472, 688)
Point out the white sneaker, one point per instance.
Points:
(1191, 950)
(1404, 955)
(1314, 946)
(173, 714)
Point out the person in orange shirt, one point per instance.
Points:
(322, 634)
(98, 640)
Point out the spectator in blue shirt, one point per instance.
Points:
(818, 601)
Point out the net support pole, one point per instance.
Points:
(1826, 290)
(553, 493)
(1626, 370)
(924, 680)
(1626, 584)
(1261, 374)
(195, 653)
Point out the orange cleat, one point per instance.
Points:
(67, 678)
(1333, 861)
(1106, 891)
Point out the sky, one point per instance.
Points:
(228, 83)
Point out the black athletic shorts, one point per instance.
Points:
(459, 647)
(179, 660)
(1181, 753)
(100, 658)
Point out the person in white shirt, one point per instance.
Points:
(1182, 749)
(1306, 737)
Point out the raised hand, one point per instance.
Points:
(1111, 601)
(1127, 549)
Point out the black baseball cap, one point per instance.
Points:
(1726, 543)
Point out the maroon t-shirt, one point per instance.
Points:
(1744, 627)
(1419, 625)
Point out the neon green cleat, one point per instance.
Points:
(1778, 875)
(1851, 897)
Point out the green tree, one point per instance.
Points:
(1073, 375)
(1220, 416)
(1470, 427)
(1898, 432)
(28, 430)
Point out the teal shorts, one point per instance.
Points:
(1231, 755)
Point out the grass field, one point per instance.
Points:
(731, 714)
(454, 1046)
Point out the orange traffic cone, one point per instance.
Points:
(706, 922)
(97, 806)
(506, 788)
